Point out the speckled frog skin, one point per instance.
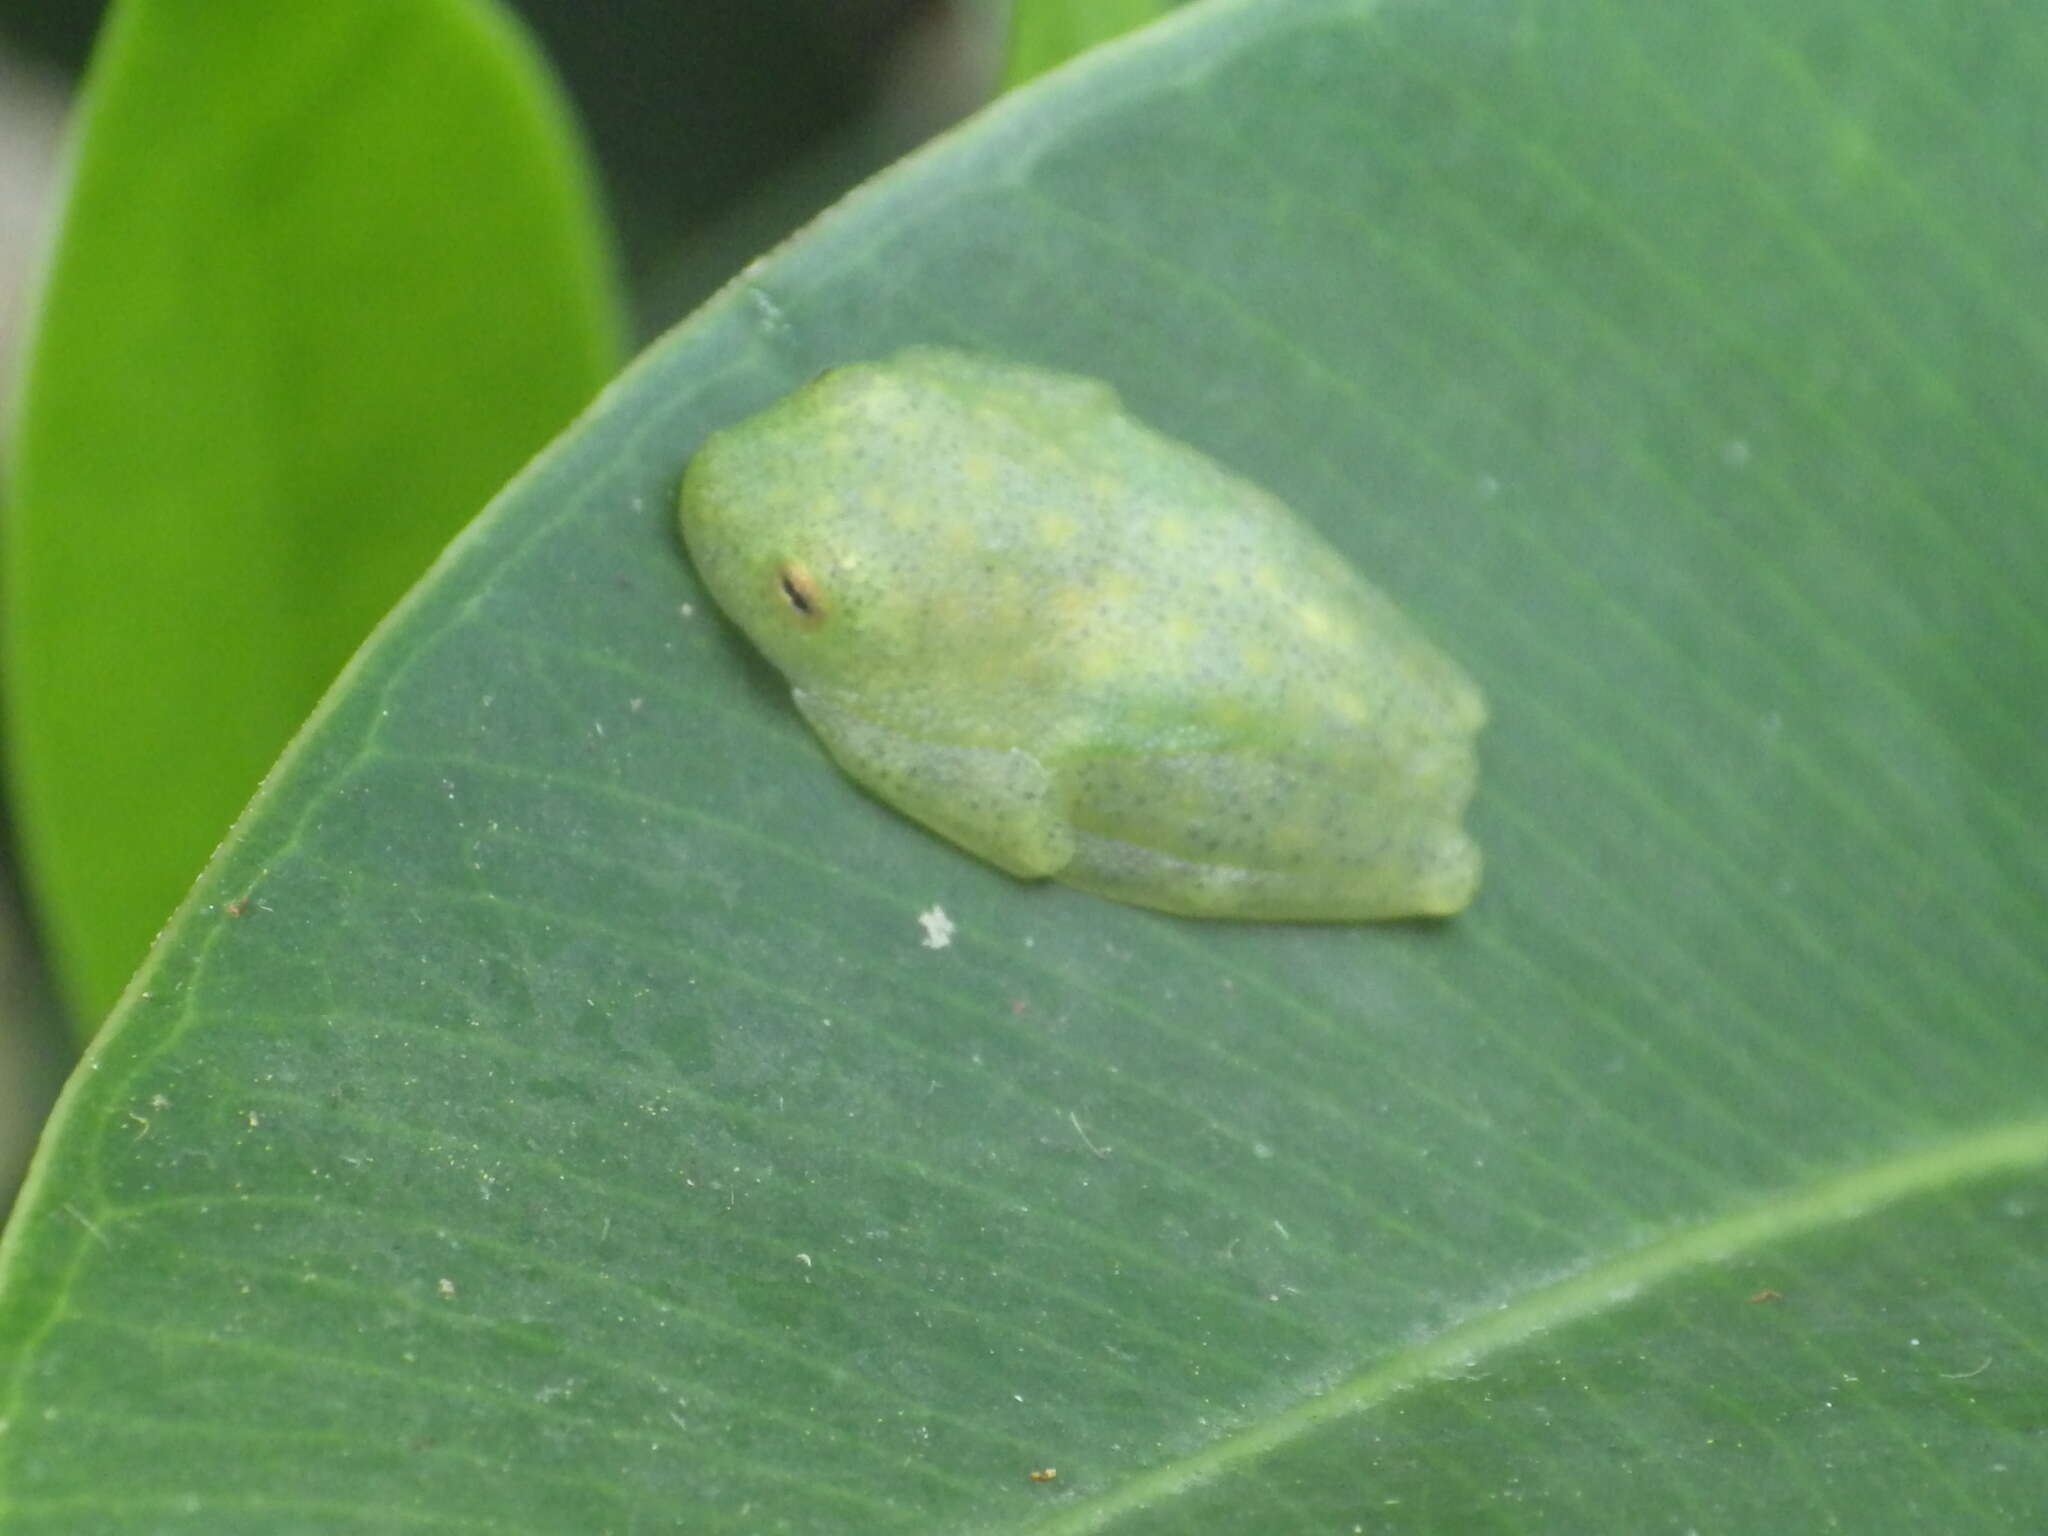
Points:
(1080, 649)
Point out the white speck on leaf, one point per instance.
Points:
(938, 928)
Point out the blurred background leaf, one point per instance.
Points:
(323, 280)
(709, 124)
(572, 1132)
(1046, 33)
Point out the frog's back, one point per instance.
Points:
(1248, 727)
(1196, 602)
(1233, 721)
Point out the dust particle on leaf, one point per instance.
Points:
(938, 928)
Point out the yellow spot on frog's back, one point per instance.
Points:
(1228, 714)
(1115, 590)
(1182, 630)
(1071, 603)
(958, 539)
(978, 469)
(1330, 629)
(1057, 529)
(1096, 662)
(1257, 661)
(1314, 619)
(1268, 580)
(1170, 532)
(1349, 706)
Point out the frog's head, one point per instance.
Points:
(815, 526)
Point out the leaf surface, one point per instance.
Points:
(574, 1131)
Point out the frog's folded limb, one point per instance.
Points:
(1275, 839)
(996, 802)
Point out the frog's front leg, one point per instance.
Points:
(1000, 803)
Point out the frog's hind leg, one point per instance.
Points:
(1268, 839)
(1148, 877)
(1432, 880)
(997, 803)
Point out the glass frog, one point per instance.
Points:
(1083, 650)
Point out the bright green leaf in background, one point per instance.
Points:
(575, 1132)
(1046, 33)
(326, 276)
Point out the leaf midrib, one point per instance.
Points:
(1792, 1212)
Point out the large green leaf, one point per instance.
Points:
(326, 275)
(573, 1133)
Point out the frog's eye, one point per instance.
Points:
(800, 590)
